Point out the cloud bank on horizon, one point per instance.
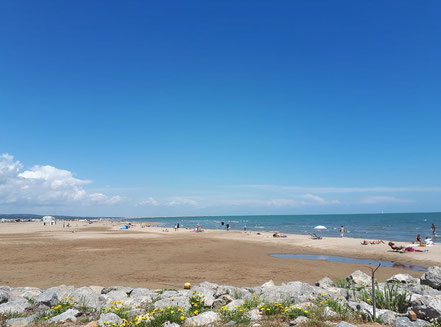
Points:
(44, 187)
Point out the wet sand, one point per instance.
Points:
(102, 254)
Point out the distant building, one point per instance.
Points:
(49, 220)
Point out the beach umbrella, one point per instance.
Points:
(319, 227)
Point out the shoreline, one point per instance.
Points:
(103, 254)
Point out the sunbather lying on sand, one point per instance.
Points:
(403, 249)
(279, 235)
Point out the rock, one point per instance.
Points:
(115, 295)
(235, 292)
(423, 290)
(68, 315)
(109, 318)
(206, 294)
(27, 292)
(234, 304)
(92, 324)
(143, 292)
(299, 320)
(211, 286)
(325, 282)
(204, 318)
(405, 322)
(427, 307)
(329, 313)
(20, 322)
(359, 279)
(269, 283)
(170, 324)
(432, 277)
(256, 325)
(48, 298)
(124, 289)
(87, 296)
(230, 323)
(255, 315)
(405, 279)
(222, 301)
(344, 324)
(15, 305)
(171, 301)
(295, 292)
(388, 317)
(4, 296)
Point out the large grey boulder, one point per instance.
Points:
(115, 295)
(294, 292)
(27, 292)
(427, 307)
(109, 318)
(360, 279)
(205, 318)
(172, 299)
(325, 282)
(4, 296)
(211, 286)
(124, 289)
(233, 305)
(388, 317)
(88, 297)
(206, 294)
(423, 290)
(68, 315)
(406, 322)
(20, 322)
(48, 298)
(235, 292)
(15, 305)
(432, 277)
(404, 279)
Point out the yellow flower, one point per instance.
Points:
(306, 311)
(369, 300)
(172, 311)
(182, 317)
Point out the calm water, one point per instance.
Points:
(391, 226)
(332, 258)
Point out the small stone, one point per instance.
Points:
(325, 282)
(299, 320)
(230, 323)
(203, 319)
(344, 324)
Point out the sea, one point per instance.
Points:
(383, 226)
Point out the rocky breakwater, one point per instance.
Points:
(344, 303)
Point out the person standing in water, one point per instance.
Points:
(228, 227)
(433, 229)
(342, 231)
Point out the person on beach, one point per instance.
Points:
(371, 242)
(244, 228)
(175, 227)
(222, 225)
(419, 240)
(342, 231)
(433, 230)
(228, 227)
(403, 249)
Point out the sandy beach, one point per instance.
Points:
(103, 254)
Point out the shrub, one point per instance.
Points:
(239, 314)
(391, 298)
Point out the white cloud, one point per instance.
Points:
(181, 201)
(383, 199)
(44, 185)
(315, 199)
(149, 201)
(305, 189)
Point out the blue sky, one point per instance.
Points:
(143, 108)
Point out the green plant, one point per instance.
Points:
(239, 314)
(251, 302)
(270, 309)
(118, 308)
(196, 304)
(292, 312)
(9, 315)
(391, 297)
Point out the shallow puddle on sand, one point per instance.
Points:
(332, 258)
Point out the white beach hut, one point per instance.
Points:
(48, 220)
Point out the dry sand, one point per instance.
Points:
(102, 254)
